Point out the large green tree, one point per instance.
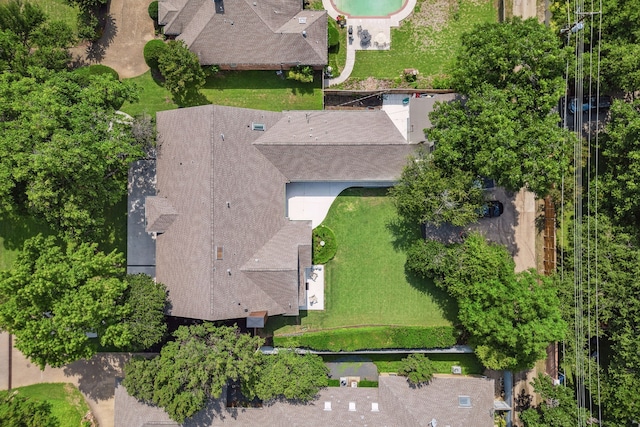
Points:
(184, 77)
(53, 297)
(511, 74)
(511, 317)
(193, 368)
(290, 375)
(427, 193)
(64, 153)
(29, 39)
(558, 406)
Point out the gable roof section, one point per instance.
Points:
(266, 32)
(336, 145)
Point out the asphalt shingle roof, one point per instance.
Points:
(265, 32)
(398, 405)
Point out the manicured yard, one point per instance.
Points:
(262, 90)
(366, 283)
(67, 403)
(427, 41)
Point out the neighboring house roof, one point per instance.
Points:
(419, 110)
(398, 404)
(224, 247)
(264, 32)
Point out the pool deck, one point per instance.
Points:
(378, 27)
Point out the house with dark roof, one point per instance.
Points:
(447, 400)
(213, 222)
(248, 34)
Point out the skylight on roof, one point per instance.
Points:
(258, 126)
(464, 401)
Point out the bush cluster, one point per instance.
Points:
(153, 10)
(97, 70)
(323, 253)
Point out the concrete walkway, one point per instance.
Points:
(128, 29)
(378, 27)
(95, 378)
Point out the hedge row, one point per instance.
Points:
(361, 383)
(372, 338)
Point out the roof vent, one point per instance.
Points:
(464, 401)
(258, 126)
(304, 34)
(302, 20)
(374, 407)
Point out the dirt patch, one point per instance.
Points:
(433, 14)
(369, 83)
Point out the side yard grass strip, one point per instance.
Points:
(374, 337)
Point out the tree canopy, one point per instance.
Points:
(511, 317)
(511, 74)
(417, 368)
(290, 375)
(54, 296)
(558, 406)
(20, 411)
(193, 368)
(183, 74)
(28, 39)
(64, 153)
(426, 193)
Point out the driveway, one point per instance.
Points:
(95, 378)
(128, 29)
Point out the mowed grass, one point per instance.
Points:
(262, 90)
(67, 403)
(366, 283)
(58, 10)
(442, 362)
(431, 50)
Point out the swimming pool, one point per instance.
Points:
(363, 8)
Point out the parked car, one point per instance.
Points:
(492, 209)
(590, 103)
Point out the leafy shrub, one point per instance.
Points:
(367, 383)
(417, 368)
(97, 70)
(371, 338)
(88, 26)
(333, 383)
(153, 10)
(301, 73)
(323, 253)
(334, 34)
(152, 51)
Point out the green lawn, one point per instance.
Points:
(429, 48)
(366, 282)
(58, 10)
(67, 403)
(262, 90)
(338, 54)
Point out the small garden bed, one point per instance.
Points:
(324, 244)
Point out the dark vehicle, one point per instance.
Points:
(591, 103)
(492, 209)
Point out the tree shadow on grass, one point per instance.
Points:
(405, 234)
(191, 98)
(15, 229)
(447, 304)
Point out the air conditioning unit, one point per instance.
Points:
(456, 370)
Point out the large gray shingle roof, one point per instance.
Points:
(265, 32)
(398, 405)
(225, 247)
